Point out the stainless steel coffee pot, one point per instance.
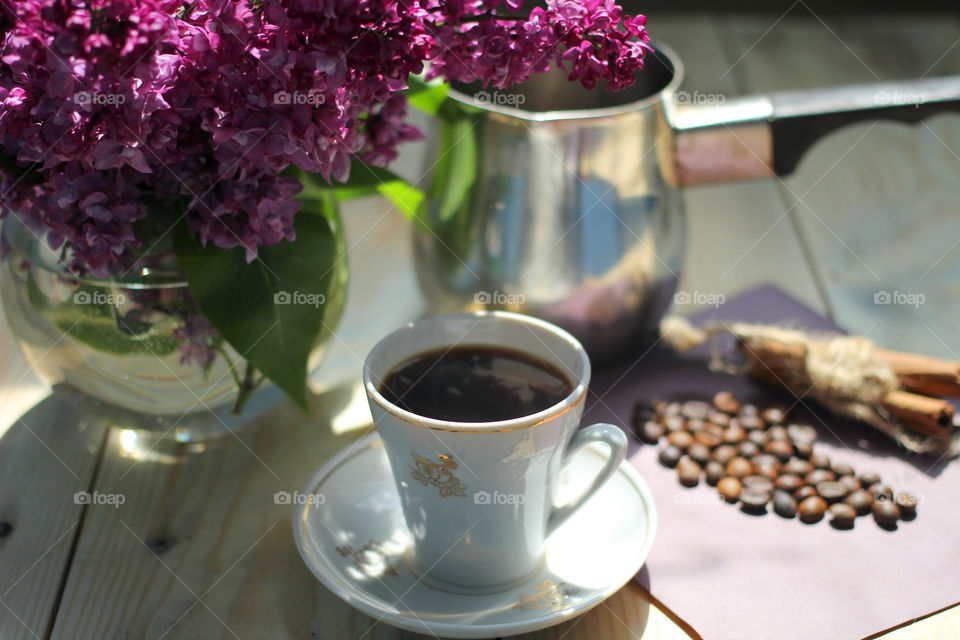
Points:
(562, 202)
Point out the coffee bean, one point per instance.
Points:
(643, 411)
(754, 500)
(698, 453)
(674, 423)
(724, 453)
(842, 515)
(725, 401)
(767, 470)
(680, 439)
(778, 432)
(669, 456)
(817, 476)
(812, 509)
(739, 467)
(754, 457)
(650, 432)
(714, 471)
(707, 439)
(843, 470)
(820, 461)
(784, 504)
(908, 505)
(850, 482)
(803, 450)
(672, 409)
(886, 513)
(758, 482)
(797, 467)
(861, 501)
(751, 423)
(832, 491)
(729, 488)
(789, 482)
(695, 409)
(766, 458)
(688, 472)
(779, 448)
(748, 449)
(712, 428)
(734, 435)
(802, 433)
(773, 415)
(880, 492)
(749, 410)
(718, 418)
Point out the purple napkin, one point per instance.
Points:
(734, 576)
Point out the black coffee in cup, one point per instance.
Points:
(475, 384)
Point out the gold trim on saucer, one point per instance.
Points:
(372, 559)
(548, 595)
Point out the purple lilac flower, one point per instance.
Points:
(195, 336)
(118, 103)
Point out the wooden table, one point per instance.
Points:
(200, 550)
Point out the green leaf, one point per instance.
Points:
(426, 96)
(106, 335)
(455, 170)
(365, 180)
(270, 310)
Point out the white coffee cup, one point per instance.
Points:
(478, 497)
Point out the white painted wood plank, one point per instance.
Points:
(45, 458)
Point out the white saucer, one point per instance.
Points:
(352, 535)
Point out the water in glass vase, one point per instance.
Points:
(120, 344)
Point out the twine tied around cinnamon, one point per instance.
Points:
(849, 375)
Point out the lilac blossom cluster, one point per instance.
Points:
(111, 108)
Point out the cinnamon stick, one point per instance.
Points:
(920, 414)
(774, 362)
(924, 374)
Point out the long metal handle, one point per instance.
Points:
(761, 136)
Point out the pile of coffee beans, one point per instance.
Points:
(760, 460)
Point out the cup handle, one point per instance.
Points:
(608, 434)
